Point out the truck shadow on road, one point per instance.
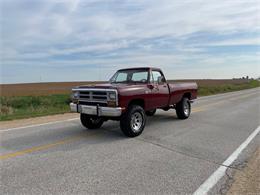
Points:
(153, 121)
(110, 133)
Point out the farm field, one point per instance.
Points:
(28, 89)
(36, 89)
(19, 101)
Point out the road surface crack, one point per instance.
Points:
(185, 154)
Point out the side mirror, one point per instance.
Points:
(161, 79)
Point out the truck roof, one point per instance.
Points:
(135, 68)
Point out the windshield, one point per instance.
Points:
(130, 76)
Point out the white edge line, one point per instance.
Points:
(220, 172)
(37, 125)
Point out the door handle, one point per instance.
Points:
(156, 88)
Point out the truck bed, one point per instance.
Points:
(178, 89)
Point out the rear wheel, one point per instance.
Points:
(132, 122)
(150, 112)
(91, 122)
(183, 108)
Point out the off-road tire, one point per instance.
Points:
(91, 122)
(150, 112)
(126, 121)
(183, 108)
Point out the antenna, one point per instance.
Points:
(99, 72)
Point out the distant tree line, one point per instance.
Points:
(245, 78)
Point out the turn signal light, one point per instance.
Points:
(111, 103)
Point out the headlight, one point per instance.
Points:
(112, 96)
(75, 95)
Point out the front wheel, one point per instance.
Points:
(91, 122)
(183, 108)
(132, 122)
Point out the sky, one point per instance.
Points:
(83, 40)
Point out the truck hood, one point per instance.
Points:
(123, 89)
(109, 86)
(103, 86)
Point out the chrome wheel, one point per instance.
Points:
(136, 121)
(186, 108)
(132, 122)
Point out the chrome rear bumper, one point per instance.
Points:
(96, 110)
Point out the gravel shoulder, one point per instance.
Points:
(247, 181)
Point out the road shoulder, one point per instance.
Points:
(247, 181)
(37, 120)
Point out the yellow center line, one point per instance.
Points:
(197, 109)
(39, 148)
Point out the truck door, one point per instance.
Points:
(160, 92)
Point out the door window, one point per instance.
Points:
(156, 75)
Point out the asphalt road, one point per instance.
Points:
(171, 156)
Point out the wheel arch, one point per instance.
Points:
(187, 95)
(137, 101)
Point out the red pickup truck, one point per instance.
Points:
(130, 96)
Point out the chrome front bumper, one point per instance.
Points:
(96, 110)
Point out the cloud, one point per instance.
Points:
(111, 33)
(236, 42)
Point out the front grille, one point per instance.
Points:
(98, 96)
(94, 97)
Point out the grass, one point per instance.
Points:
(211, 90)
(33, 106)
(19, 107)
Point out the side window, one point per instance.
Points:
(140, 76)
(156, 75)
